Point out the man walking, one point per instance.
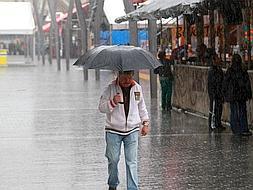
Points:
(126, 114)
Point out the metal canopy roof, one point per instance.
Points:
(158, 9)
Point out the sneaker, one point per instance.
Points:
(247, 133)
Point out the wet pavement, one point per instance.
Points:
(52, 138)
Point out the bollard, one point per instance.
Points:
(3, 56)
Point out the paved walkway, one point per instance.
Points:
(52, 138)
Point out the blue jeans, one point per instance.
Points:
(113, 149)
(238, 117)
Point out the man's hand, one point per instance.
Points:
(117, 98)
(144, 130)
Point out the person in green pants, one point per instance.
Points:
(166, 78)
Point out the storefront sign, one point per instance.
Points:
(193, 31)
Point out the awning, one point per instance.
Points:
(16, 18)
(158, 9)
(61, 17)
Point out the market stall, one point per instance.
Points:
(223, 26)
(17, 31)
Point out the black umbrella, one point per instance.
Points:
(118, 58)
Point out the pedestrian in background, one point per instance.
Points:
(126, 114)
(166, 78)
(237, 91)
(214, 83)
(201, 52)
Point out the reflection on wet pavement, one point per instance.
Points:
(52, 137)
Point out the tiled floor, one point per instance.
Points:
(52, 138)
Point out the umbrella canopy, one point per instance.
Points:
(118, 58)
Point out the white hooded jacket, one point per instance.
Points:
(116, 121)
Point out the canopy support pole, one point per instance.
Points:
(133, 31)
(68, 27)
(211, 30)
(152, 26)
(97, 28)
(83, 26)
(34, 53)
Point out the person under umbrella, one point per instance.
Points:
(123, 103)
(126, 115)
